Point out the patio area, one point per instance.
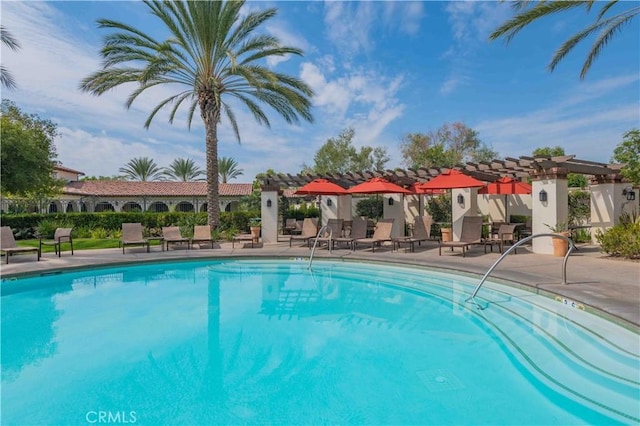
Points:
(611, 286)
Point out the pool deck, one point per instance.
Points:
(611, 286)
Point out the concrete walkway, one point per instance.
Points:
(609, 286)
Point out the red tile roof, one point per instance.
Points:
(68, 170)
(120, 188)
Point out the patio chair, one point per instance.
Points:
(62, 235)
(132, 236)
(471, 234)
(381, 234)
(358, 230)
(202, 234)
(9, 247)
(291, 226)
(309, 231)
(421, 232)
(334, 230)
(172, 235)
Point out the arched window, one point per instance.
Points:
(158, 207)
(131, 206)
(184, 206)
(104, 206)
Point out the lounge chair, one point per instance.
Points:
(291, 226)
(358, 231)
(334, 230)
(505, 233)
(471, 234)
(8, 244)
(202, 234)
(172, 235)
(62, 235)
(381, 234)
(309, 231)
(421, 232)
(132, 236)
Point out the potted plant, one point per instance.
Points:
(560, 245)
(254, 226)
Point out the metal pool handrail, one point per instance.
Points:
(315, 243)
(513, 247)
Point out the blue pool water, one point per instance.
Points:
(270, 342)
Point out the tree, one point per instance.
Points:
(228, 169)
(628, 152)
(214, 52)
(574, 180)
(451, 144)
(184, 170)
(338, 155)
(27, 153)
(142, 169)
(547, 151)
(605, 27)
(6, 79)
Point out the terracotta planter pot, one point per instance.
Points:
(447, 234)
(560, 246)
(255, 232)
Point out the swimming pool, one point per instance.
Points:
(268, 341)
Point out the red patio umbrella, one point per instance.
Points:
(321, 187)
(506, 186)
(378, 186)
(415, 189)
(451, 179)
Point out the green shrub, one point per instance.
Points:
(371, 207)
(99, 234)
(47, 227)
(623, 240)
(440, 208)
(302, 212)
(83, 231)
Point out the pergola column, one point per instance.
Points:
(393, 208)
(550, 208)
(467, 207)
(269, 213)
(608, 202)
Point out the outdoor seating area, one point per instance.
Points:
(61, 235)
(9, 247)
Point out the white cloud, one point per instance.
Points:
(573, 121)
(287, 38)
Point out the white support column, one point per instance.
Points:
(269, 214)
(393, 208)
(328, 208)
(468, 207)
(608, 202)
(412, 207)
(553, 211)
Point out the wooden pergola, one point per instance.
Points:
(517, 168)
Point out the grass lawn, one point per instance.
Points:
(78, 244)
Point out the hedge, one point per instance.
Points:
(25, 225)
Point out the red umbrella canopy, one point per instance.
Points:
(506, 185)
(451, 179)
(321, 187)
(378, 186)
(415, 188)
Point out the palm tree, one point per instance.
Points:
(6, 79)
(213, 52)
(142, 169)
(606, 27)
(183, 169)
(228, 169)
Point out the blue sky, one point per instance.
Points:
(383, 68)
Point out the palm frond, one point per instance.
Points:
(614, 25)
(510, 28)
(6, 78)
(8, 39)
(605, 9)
(232, 120)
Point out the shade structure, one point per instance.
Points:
(451, 179)
(506, 186)
(415, 189)
(321, 187)
(378, 186)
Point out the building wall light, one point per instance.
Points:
(329, 202)
(629, 193)
(390, 201)
(460, 199)
(269, 202)
(543, 196)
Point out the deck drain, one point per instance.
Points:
(440, 380)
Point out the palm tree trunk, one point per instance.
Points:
(211, 120)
